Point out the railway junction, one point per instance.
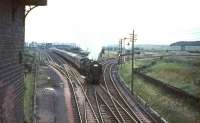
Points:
(56, 86)
(107, 102)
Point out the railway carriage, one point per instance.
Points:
(91, 69)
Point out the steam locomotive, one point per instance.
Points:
(92, 70)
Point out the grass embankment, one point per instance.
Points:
(29, 57)
(174, 110)
(185, 76)
(139, 62)
(28, 97)
(142, 62)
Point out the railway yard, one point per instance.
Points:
(108, 102)
(99, 61)
(64, 94)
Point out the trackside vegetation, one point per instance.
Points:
(179, 73)
(28, 102)
(173, 109)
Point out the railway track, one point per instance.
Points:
(88, 112)
(110, 104)
(56, 63)
(119, 99)
(87, 108)
(102, 103)
(83, 109)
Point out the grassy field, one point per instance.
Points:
(184, 75)
(139, 62)
(174, 110)
(142, 62)
(28, 97)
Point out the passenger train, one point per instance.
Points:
(92, 70)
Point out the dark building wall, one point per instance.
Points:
(11, 68)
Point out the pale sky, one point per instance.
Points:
(93, 23)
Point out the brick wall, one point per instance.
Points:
(11, 69)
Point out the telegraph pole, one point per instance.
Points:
(121, 60)
(132, 72)
(124, 51)
(120, 52)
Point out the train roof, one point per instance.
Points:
(69, 53)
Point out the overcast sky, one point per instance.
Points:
(99, 22)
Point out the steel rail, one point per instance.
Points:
(104, 78)
(90, 105)
(138, 102)
(74, 93)
(76, 100)
(73, 90)
(98, 107)
(107, 105)
(133, 119)
(119, 93)
(85, 111)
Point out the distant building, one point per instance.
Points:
(49, 45)
(33, 45)
(12, 27)
(187, 45)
